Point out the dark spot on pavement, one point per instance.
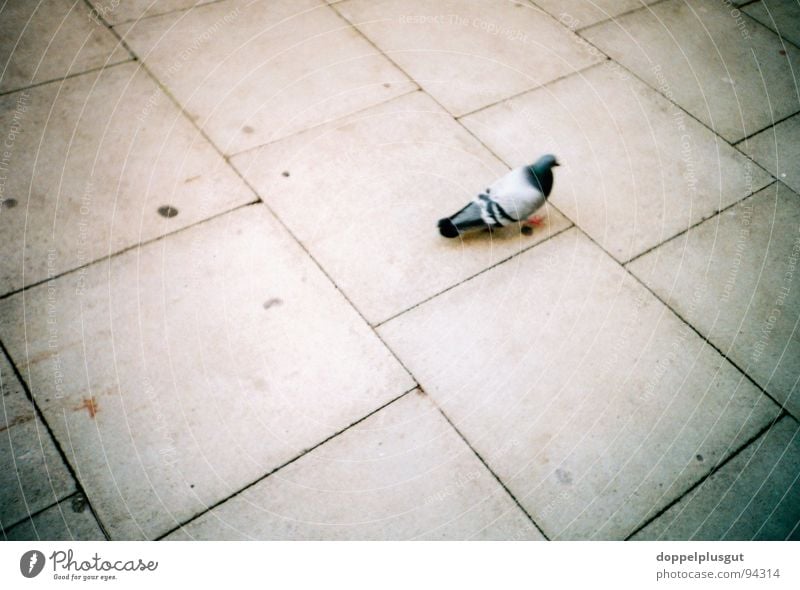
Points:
(247, 129)
(167, 211)
(78, 503)
(9, 203)
(271, 302)
(563, 476)
(188, 180)
(191, 486)
(699, 457)
(527, 230)
(387, 85)
(285, 173)
(782, 52)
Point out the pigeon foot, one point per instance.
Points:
(535, 220)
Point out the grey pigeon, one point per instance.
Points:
(510, 199)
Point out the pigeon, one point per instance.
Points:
(510, 199)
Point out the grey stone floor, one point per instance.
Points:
(226, 313)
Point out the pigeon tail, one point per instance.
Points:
(447, 228)
(469, 218)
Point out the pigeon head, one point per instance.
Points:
(544, 163)
(540, 173)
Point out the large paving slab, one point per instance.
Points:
(177, 373)
(725, 69)
(578, 14)
(69, 520)
(92, 162)
(470, 53)
(50, 39)
(120, 11)
(778, 150)
(735, 279)
(363, 195)
(32, 473)
(252, 72)
(755, 496)
(590, 399)
(780, 16)
(403, 473)
(635, 170)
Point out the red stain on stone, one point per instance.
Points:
(91, 405)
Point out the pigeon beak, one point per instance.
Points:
(556, 163)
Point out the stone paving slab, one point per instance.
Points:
(32, 474)
(403, 473)
(590, 400)
(724, 68)
(69, 520)
(120, 11)
(468, 54)
(50, 39)
(735, 279)
(756, 496)
(579, 14)
(92, 162)
(635, 170)
(363, 196)
(778, 150)
(253, 72)
(780, 16)
(188, 368)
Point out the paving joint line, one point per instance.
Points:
(772, 125)
(489, 469)
(700, 222)
(125, 250)
(61, 453)
(261, 478)
(167, 12)
(477, 274)
(720, 464)
(4, 531)
(531, 89)
(612, 18)
(62, 79)
(323, 123)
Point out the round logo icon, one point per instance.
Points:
(31, 563)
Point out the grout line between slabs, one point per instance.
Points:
(36, 513)
(211, 507)
(135, 20)
(125, 250)
(489, 469)
(511, 97)
(62, 79)
(315, 126)
(700, 222)
(772, 125)
(56, 443)
(569, 226)
(700, 482)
